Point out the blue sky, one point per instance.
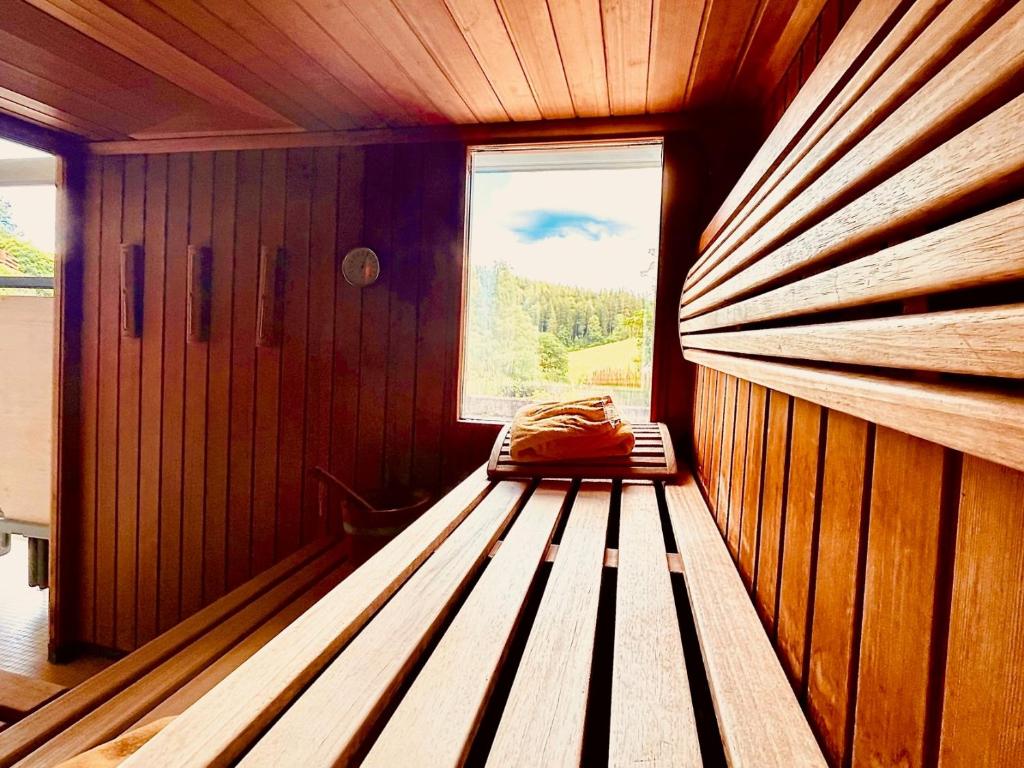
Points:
(543, 224)
(594, 228)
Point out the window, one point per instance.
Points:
(28, 210)
(562, 271)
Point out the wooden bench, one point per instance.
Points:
(20, 695)
(515, 623)
(169, 673)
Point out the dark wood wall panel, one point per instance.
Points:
(899, 610)
(196, 456)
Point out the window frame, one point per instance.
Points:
(461, 325)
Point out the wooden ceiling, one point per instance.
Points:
(117, 69)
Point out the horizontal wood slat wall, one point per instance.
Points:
(196, 455)
(854, 318)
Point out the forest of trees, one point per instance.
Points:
(521, 331)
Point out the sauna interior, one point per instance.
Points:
(301, 262)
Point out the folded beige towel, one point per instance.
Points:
(588, 428)
(118, 750)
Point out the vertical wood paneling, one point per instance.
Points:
(292, 413)
(752, 483)
(107, 415)
(151, 398)
(320, 338)
(983, 703)
(724, 471)
(200, 223)
(897, 617)
(401, 329)
(374, 338)
(85, 595)
(172, 428)
(899, 593)
(739, 465)
(348, 318)
(268, 375)
(243, 369)
(196, 456)
(128, 406)
(774, 499)
(439, 263)
(838, 580)
(799, 537)
(218, 413)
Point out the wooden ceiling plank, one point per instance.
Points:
(383, 21)
(675, 28)
(59, 97)
(119, 33)
(335, 103)
(580, 35)
(42, 114)
(346, 31)
(194, 46)
(439, 33)
(132, 95)
(338, 59)
(115, 92)
(221, 36)
(726, 24)
(529, 25)
(627, 44)
(484, 31)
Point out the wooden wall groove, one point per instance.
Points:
(196, 456)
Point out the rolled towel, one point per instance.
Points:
(588, 428)
(118, 750)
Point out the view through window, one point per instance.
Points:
(562, 275)
(28, 205)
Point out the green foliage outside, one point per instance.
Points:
(18, 257)
(522, 332)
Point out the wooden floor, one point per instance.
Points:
(23, 626)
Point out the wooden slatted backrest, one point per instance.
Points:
(855, 315)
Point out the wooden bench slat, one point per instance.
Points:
(219, 726)
(26, 735)
(194, 690)
(943, 182)
(759, 718)
(437, 718)
(982, 250)
(974, 420)
(552, 682)
(652, 719)
(983, 342)
(331, 719)
(20, 695)
(114, 716)
(883, 119)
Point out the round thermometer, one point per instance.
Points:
(361, 267)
